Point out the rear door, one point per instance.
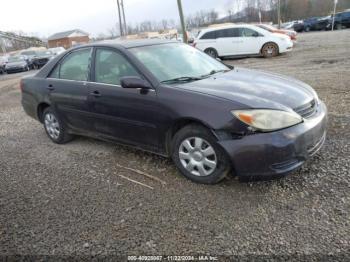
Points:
(228, 41)
(68, 91)
(128, 115)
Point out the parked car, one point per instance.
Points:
(291, 33)
(242, 40)
(41, 58)
(3, 62)
(17, 63)
(297, 26)
(172, 99)
(341, 20)
(57, 50)
(30, 55)
(316, 24)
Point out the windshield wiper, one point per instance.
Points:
(214, 72)
(182, 79)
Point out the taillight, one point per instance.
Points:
(21, 85)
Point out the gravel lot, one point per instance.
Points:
(75, 199)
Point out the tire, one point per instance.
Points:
(206, 168)
(54, 127)
(212, 52)
(269, 50)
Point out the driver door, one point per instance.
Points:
(125, 114)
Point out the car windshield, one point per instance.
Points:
(43, 53)
(177, 61)
(16, 58)
(28, 53)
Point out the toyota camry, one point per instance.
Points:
(174, 100)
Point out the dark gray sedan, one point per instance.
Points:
(174, 100)
(17, 64)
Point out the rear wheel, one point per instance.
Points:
(198, 156)
(269, 50)
(212, 52)
(54, 127)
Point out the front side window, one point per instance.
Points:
(75, 66)
(169, 61)
(110, 66)
(247, 32)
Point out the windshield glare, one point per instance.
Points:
(16, 58)
(28, 53)
(42, 53)
(169, 61)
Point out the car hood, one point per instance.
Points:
(13, 64)
(255, 89)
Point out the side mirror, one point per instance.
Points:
(134, 82)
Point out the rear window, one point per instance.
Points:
(209, 35)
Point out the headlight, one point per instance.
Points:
(267, 120)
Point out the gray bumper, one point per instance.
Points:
(280, 152)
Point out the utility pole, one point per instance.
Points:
(279, 14)
(182, 20)
(120, 20)
(125, 28)
(335, 9)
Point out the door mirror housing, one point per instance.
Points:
(134, 82)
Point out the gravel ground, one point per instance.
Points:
(76, 199)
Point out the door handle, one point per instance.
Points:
(95, 93)
(50, 87)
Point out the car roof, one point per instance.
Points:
(129, 43)
(205, 30)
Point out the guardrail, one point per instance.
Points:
(12, 42)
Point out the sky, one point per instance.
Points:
(46, 17)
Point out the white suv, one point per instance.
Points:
(240, 40)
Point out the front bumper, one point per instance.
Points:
(279, 152)
(15, 69)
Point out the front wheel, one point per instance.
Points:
(198, 156)
(270, 50)
(54, 127)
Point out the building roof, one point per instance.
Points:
(70, 33)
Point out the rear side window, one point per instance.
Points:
(209, 35)
(75, 66)
(110, 66)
